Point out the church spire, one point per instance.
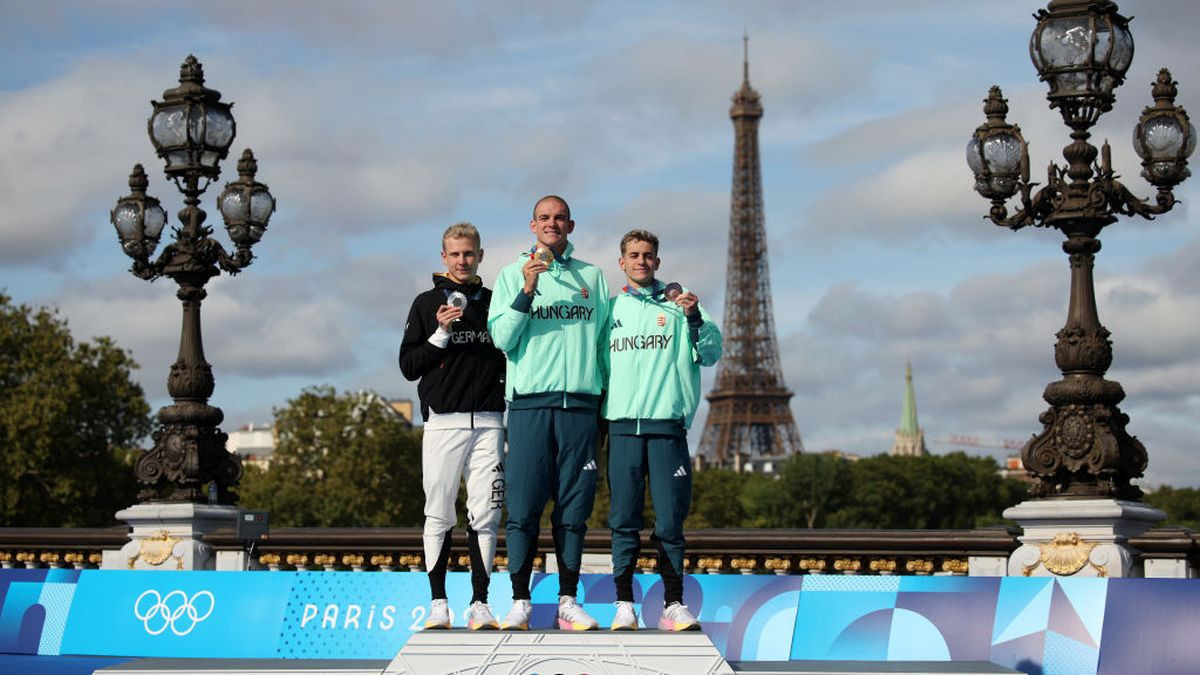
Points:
(910, 437)
(908, 412)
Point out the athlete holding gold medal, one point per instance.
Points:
(547, 314)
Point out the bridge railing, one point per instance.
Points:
(1164, 552)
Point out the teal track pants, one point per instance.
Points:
(665, 460)
(551, 455)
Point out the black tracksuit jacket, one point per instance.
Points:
(468, 374)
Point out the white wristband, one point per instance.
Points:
(440, 338)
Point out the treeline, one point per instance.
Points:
(342, 461)
(954, 491)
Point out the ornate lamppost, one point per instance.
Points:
(1085, 508)
(1081, 49)
(191, 130)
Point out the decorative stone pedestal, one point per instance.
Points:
(1079, 537)
(168, 536)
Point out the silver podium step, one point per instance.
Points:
(645, 652)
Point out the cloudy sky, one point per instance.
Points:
(376, 124)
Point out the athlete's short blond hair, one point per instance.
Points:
(463, 230)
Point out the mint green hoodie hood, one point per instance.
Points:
(553, 340)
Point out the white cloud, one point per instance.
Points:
(61, 139)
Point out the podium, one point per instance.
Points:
(550, 652)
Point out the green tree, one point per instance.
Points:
(1182, 505)
(70, 418)
(807, 489)
(717, 499)
(340, 461)
(953, 491)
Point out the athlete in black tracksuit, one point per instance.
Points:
(462, 402)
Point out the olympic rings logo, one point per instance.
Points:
(174, 610)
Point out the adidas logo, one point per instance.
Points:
(590, 466)
(499, 468)
(680, 472)
(617, 323)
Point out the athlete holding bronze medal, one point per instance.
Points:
(658, 338)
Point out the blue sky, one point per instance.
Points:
(376, 124)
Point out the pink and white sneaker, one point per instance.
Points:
(676, 617)
(573, 617)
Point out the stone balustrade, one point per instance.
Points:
(1164, 552)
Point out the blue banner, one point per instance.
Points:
(1039, 624)
(186, 614)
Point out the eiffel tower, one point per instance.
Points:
(749, 425)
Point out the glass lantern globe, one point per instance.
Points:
(191, 129)
(245, 204)
(1082, 49)
(138, 218)
(1164, 136)
(997, 153)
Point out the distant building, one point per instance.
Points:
(254, 443)
(910, 437)
(401, 409)
(404, 406)
(765, 464)
(1014, 469)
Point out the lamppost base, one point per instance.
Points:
(169, 536)
(1079, 537)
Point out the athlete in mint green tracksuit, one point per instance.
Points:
(657, 342)
(547, 314)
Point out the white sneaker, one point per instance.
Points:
(626, 618)
(518, 617)
(480, 617)
(676, 617)
(439, 615)
(573, 617)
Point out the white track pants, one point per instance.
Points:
(476, 456)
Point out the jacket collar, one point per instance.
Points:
(654, 292)
(443, 280)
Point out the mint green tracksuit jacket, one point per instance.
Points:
(554, 343)
(653, 361)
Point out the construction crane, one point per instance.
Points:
(976, 442)
(1010, 462)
